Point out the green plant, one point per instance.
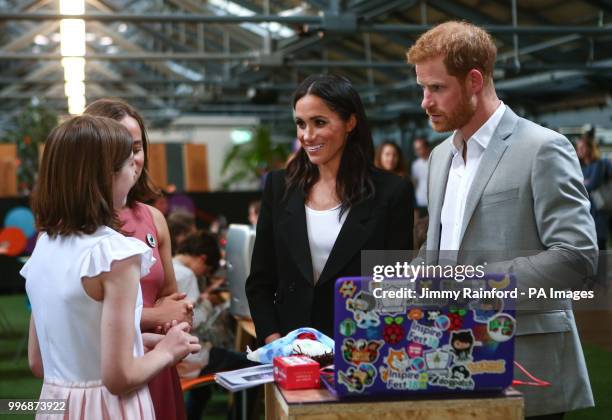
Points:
(249, 161)
(30, 128)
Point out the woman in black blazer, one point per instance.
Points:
(331, 174)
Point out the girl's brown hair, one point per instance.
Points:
(74, 191)
(144, 190)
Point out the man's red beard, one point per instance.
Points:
(455, 118)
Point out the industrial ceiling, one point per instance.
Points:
(245, 57)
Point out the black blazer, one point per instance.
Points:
(280, 288)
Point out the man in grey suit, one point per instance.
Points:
(503, 183)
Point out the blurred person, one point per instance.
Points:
(389, 157)
(198, 255)
(503, 183)
(596, 172)
(419, 174)
(318, 214)
(180, 224)
(254, 207)
(83, 279)
(162, 303)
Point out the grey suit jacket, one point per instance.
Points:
(528, 195)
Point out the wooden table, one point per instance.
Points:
(245, 333)
(319, 404)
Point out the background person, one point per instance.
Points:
(418, 174)
(318, 214)
(389, 157)
(596, 172)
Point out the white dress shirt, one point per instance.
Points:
(461, 176)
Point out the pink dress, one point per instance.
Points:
(165, 388)
(68, 323)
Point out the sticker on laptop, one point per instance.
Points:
(397, 372)
(347, 327)
(462, 343)
(392, 305)
(425, 335)
(487, 366)
(501, 327)
(361, 351)
(485, 309)
(393, 332)
(359, 378)
(363, 307)
(348, 289)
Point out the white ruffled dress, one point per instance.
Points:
(68, 322)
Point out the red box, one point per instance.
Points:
(296, 372)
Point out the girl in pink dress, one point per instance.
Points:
(162, 303)
(83, 280)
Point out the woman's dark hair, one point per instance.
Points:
(202, 243)
(354, 180)
(74, 191)
(144, 189)
(400, 167)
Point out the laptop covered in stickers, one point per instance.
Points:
(423, 342)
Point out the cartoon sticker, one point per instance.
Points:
(396, 373)
(485, 309)
(499, 284)
(442, 322)
(360, 351)
(393, 331)
(487, 366)
(462, 343)
(348, 289)
(347, 327)
(389, 305)
(456, 317)
(415, 314)
(460, 372)
(357, 379)
(432, 315)
(418, 364)
(437, 361)
(415, 350)
(363, 308)
(425, 335)
(501, 327)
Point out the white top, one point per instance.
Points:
(419, 175)
(187, 282)
(67, 319)
(323, 227)
(461, 176)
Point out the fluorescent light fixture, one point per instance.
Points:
(241, 136)
(72, 32)
(74, 89)
(41, 40)
(76, 104)
(105, 41)
(74, 69)
(73, 40)
(72, 7)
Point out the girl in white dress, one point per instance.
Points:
(83, 280)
